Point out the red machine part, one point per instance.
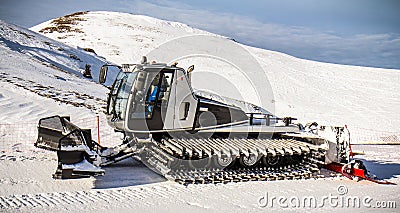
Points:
(352, 172)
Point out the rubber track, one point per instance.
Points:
(306, 168)
(197, 147)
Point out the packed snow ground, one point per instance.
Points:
(36, 82)
(130, 186)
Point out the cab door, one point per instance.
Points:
(184, 102)
(157, 100)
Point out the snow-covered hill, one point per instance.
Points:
(311, 91)
(120, 37)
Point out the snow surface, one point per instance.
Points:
(39, 78)
(31, 63)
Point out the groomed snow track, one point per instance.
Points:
(59, 199)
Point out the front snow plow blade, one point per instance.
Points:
(74, 147)
(50, 131)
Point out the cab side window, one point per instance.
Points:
(158, 92)
(151, 96)
(165, 87)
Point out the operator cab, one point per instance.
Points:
(140, 98)
(156, 98)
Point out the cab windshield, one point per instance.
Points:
(149, 90)
(120, 94)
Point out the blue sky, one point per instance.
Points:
(355, 32)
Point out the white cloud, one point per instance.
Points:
(377, 50)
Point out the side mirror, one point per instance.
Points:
(190, 69)
(103, 74)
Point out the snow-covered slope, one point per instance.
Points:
(120, 37)
(42, 77)
(311, 91)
